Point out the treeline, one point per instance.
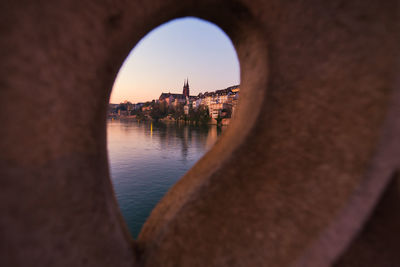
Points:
(199, 116)
(160, 110)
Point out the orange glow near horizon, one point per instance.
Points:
(183, 48)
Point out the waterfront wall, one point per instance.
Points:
(305, 175)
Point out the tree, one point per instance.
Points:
(139, 115)
(200, 116)
(178, 112)
(158, 111)
(122, 107)
(219, 120)
(226, 112)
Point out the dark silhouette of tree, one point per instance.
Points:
(122, 107)
(199, 115)
(140, 116)
(219, 120)
(158, 111)
(178, 112)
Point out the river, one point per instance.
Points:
(147, 158)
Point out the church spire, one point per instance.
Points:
(186, 87)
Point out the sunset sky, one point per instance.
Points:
(183, 48)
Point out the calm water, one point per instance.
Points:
(147, 159)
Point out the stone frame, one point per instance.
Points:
(315, 144)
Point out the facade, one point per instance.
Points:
(186, 109)
(175, 99)
(220, 103)
(197, 102)
(146, 108)
(171, 98)
(138, 106)
(217, 109)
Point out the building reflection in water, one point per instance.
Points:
(146, 159)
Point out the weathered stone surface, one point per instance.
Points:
(377, 244)
(291, 183)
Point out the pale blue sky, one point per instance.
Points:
(181, 48)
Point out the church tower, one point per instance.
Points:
(186, 88)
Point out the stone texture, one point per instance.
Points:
(293, 182)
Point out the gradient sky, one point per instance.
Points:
(181, 48)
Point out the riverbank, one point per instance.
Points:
(224, 122)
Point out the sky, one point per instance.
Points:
(182, 48)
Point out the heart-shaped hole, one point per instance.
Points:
(160, 122)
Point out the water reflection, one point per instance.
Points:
(147, 158)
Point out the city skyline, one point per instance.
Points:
(180, 49)
(177, 92)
